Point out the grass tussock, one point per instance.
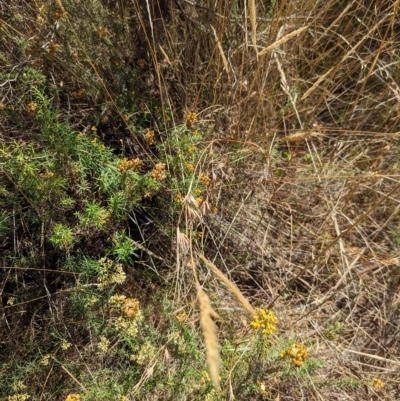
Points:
(140, 138)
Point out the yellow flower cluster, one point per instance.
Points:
(145, 352)
(158, 172)
(110, 273)
(377, 383)
(181, 317)
(149, 137)
(189, 167)
(104, 344)
(179, 198)
(18, 397)
(18, 387)
(32, 108)
(133, 164)
(45, 360)
(130, 307)
(128, 325)
(263, 388)
(65, 345)
(73, 397)
(116, 301)
(205, 179)
(297, 353)
(191, 118)
(265, 321)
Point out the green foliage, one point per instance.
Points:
(62, 237)
(123, 247)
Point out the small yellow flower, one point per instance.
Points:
(73, 397)
(200, 234)
(145, 352)
(132, 164)
(116, 300)
(65, 345)
(20, 386)
(104, 344)
(45, 360)
(377, 383)
(147, 195)
(149, 137)
(205, 179)
(192, 149)
(32, 108)
(130, 307)
(128, 325)
(80, 134)
(265, 321)
(205, 378)
(93, 128)
(297, 353)
(189, 167)
(103, 148)
(158, 173)
(11, 301)
(191, 118)
(125, 117)
(181, 317)
(263, 388)
(110, 273)
(94, 141)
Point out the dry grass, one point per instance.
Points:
(209, 330)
